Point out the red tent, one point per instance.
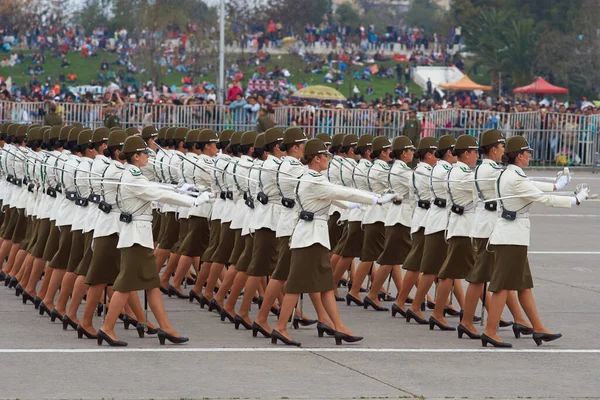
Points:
(541, 86)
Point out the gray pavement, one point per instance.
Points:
(39, 360)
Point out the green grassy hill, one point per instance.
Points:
(88, 68)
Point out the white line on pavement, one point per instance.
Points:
(296, 350)
(578, 253)
(566, 215)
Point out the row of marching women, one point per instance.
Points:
(265, 218)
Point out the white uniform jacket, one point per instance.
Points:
(400, 181)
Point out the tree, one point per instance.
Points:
(297, 13)
(425, 13)
(93, 13)
(346, 14)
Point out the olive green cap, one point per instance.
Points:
(180, 133)
(33, 134)
(74, 133)
(350, 140)
(117, 138)
(380, 143)
(101, 135)
(314, 147)
(365, 141)
(45, 133)
(225, 136)
(273, 135)
(491, 137)
(77, 125)
(466, 142)
(402, 143)
(148, 132)
(4, 127)
(12, 129)
(132, 130)
(236, 138)
(55, 132)
(21, 131)
(114, 128)
(65, 131)
(135, 144)
(191, 136)
(293, 135)
(207, 136)
(248, 138)
(516, 143)
(171, 132)
(446, 142)
(85, 137)
(325, 138)
(33, 126)
(338, 139)
(427, 143)
(162, 132)
(259, 143)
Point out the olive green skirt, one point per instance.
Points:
(511, 269)
(310, 271)
(337, 249)
(162, 225)
(335, 230)
(226, 244)
(246, 256)
(29, 237)
(171, 233)
(138, 270)
(5, 215)
(156, 218)
(52, 242)
(415, 255)
(61, 258)
(10, 222)
(84, 264)
(77, 250)
(459, 259)
(2, 215)
(264, 253)
(43, 235)
(183, 231)
(373, 242)
(484, 263)
(213, 241)
(238, 247)
(397, 245)
(20, 228)
(197, 238)
(282, 269)
(106, 261)
(434, 253)
(351, 244)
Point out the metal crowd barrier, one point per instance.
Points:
(557, 139)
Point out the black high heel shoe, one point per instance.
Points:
(462, 330)
(99, 309)
(275, 336)
(505, 324)
(101, 336)
(451, 312)
(322, 328)
(2, 276)
(214, 305)
(344, 337)
(141, 330)
(26, 297)
(538, 338)
(127, 320)
(519, 330)
(13, 283)
(398, 310)
(162, 336)
(430, 305)
(351, 299)
(342, 282)
(18, 290)
(194, 296)
(475, 317)
(224, 314)
(434, 322)
(485, 339)
(301, 321)
(66, 321)
(82, 332)
(408, 301)
(36, 302)
(44, 309)
(368, 302)
(54, 315)
(411, 314)
(339, 299)
(7, 279)
(256, 328)
(163, 290)
(174, 292)
(237, 321)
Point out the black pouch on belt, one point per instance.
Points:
(105, 207)
(397, 202)
(491, 206)
(82, 201)
(249, 202)
(456, 209)
(223, 195)
(263, 198)
(441, 203)
(509, 215)
(424, 204)
(126, 217)
(307, 216)
(94, 198)
(71, 196)
(51, 192)
(288, 203)
(229, 195)
(31, 187)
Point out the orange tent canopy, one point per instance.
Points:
(464, 84)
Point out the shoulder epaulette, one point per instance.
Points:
(277, 161)
(368, 163)
(106, 162)
(494, 165)
(315, 174)
(521, 174)
(295, 162)
(447, 167)
(135, 171)
(120, 166)
(466, 169)
(428, 167)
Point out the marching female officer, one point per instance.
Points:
(138, 269)
(510, 240)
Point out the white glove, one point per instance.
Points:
(581, 195)
(386, 198)
(202, 198)
(352, 206)
(562, 181)
(375, 200)
(159, 204)
(186, 187)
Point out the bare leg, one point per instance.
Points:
(25, 272)
(425, 283)
(155, 301)
(331, 307)
(165, 277)
(215, 272)
(397, 277)
(361, 273)
(55, 281)
(515, 309)
(94, 294)
(274, 289)
(474, 293)
(459, 293)
(161, 257)
(183, 267)
(117, 302)
(238, 285)
(287, 307)
(251, 285)
(202, 277)
(226, 284)
(497, 302)
(411, 278)
(78, 292)
(528, 304)
(342, 266)
(48, 271)
(4, 252)
(134, 307)
(10, 264)
(34, 277)
(382, 273)
(322, 315)
(66, 288)
(443, 290)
